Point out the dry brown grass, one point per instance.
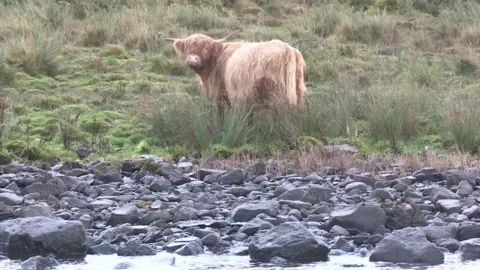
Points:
(306, 162)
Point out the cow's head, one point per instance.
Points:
(198, 49)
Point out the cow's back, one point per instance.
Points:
(259, 70)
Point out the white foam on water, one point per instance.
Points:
(168, 261)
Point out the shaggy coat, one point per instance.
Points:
(269, 74)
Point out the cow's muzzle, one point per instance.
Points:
(193, 61)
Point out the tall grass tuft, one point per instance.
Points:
(462, 120)
(394, 112)
(179, 119)
(7, 74)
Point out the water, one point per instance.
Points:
(168, 261)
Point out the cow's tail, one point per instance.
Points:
(290, 78)
(300, 87)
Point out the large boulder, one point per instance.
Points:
(54, 187)
(314, 194)
(6, 211)
(470, 249)
(408, 245)
(125, 214)
(247, 211)
(403, 215)
(291, 241)
(108, 174)
(22, 238)
(364, 218)
(438, 234)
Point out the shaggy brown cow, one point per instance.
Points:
(245, 73)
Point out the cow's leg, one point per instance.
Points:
(222, 105)
(265, 97)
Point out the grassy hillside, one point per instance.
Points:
(384, 75)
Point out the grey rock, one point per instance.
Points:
(316, 195)
(178, 180)
(381, 194)
(404, 181)
(211, 239)
(35, 210)
(313, 195)
(259, 168)
(77, 172)
(290, 241)
(184, 213)
(313, 178)
(356, 188)
(13, 187)
(294, 194)
(408, 245)
(449, 206)
(160, 184)
(103, 249)
(39, 263)
(339, 230)
(123, 266)
(455, 176)
(472, 211)
(470, 249)
(76, 202)
(468, 230)
(152, 216)
(102, 204)
(159, 205)
(342, 244)
(6, 212)
(22, 238)
(437, 234)
(135, 247)
(110, 233)
(403, 215)
(296, 204)
(247, 211)
(180, 242)
(190, 249)
(11, 199)
(441, 193)
(365, 218)
(451, 244)
(232, 177)
(86, 221)
(365, 178)
(428, 174)
(54, 186)
(464, 189)
(126, 214)
(108, 174)
(202, 173)
(251, 227)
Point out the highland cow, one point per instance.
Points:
(267, 74)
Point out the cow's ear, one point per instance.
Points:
(179, 45)
(217, 48)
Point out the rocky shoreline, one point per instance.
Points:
(68, 210)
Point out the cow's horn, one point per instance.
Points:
(227, 37)
(171, 39)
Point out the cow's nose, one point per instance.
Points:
(193, 59)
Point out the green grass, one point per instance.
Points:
(390, 76)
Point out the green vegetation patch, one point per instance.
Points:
(387, 76)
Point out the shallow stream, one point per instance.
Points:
(168, 261)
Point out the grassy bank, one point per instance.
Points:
(388, 76)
